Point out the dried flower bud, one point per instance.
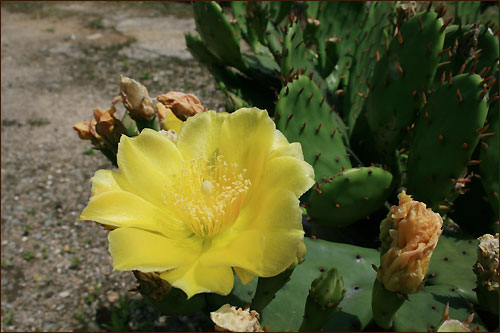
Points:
(415, 233)
(231, 319)
(168, 120)
(182, 105)
(486, 267)
(136, 99)
(171, 134)
(313, 21)
(83, 130)
(107, 125)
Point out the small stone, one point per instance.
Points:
(112, 296)
(64, 294)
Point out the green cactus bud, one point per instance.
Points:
(487, 271)
(326, 292)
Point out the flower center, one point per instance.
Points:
(207, 194)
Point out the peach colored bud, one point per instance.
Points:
(82, 129)
(107, 124)
(415, 232)
(231, 319)
(136, 99)
(182, 105)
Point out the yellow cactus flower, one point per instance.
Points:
(415, 231)
(168, 120)
(223, 197)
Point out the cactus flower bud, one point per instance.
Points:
(108, 126)
(326, 292)
(231, 319)
(136, 99)
(486, 267)
(415, 233)
(181, 104)
(83, 130)
(487, 271)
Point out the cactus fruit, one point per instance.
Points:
(400, 78)
(350, 195)
(444, 140)
(326, 292)
(303, 115)
(487, 271)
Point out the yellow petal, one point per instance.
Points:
(257, 239)
(246, 139)
(197, 278)
(281, 147)
(278, 173)
(125, 209)
(104, 181)
(199, 135)
(146, 162)
(244, 275)
(133, 248)
(169, 120)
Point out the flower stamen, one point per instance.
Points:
(207, 194)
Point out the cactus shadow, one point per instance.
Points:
(343, 322)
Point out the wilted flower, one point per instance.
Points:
(415, 232)
(181, 104)
(136, 99)
(83, 130)
(231, 319)
(224, 196)
(486, 267)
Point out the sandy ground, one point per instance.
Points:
(60, 60)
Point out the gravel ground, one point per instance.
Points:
(59, 61)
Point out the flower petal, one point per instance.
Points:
(281, 147)
(104, 181)
(125, 209)
(146, 162)
(197, 278)
(287, 173)
(146, 251)
(247, 135)
(264, 240)
(244, 275)
(199, 136)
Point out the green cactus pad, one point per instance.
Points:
(489, 156)
(423, 311)
(303, 115)
(467, 11)
(399, 79)
(451, 265)
(353, 264)
(446, 134)
(369, 49)
(294, 55)
(349, 196)
(217, 33)
(267, 288)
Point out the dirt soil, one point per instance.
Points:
(59, 61)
